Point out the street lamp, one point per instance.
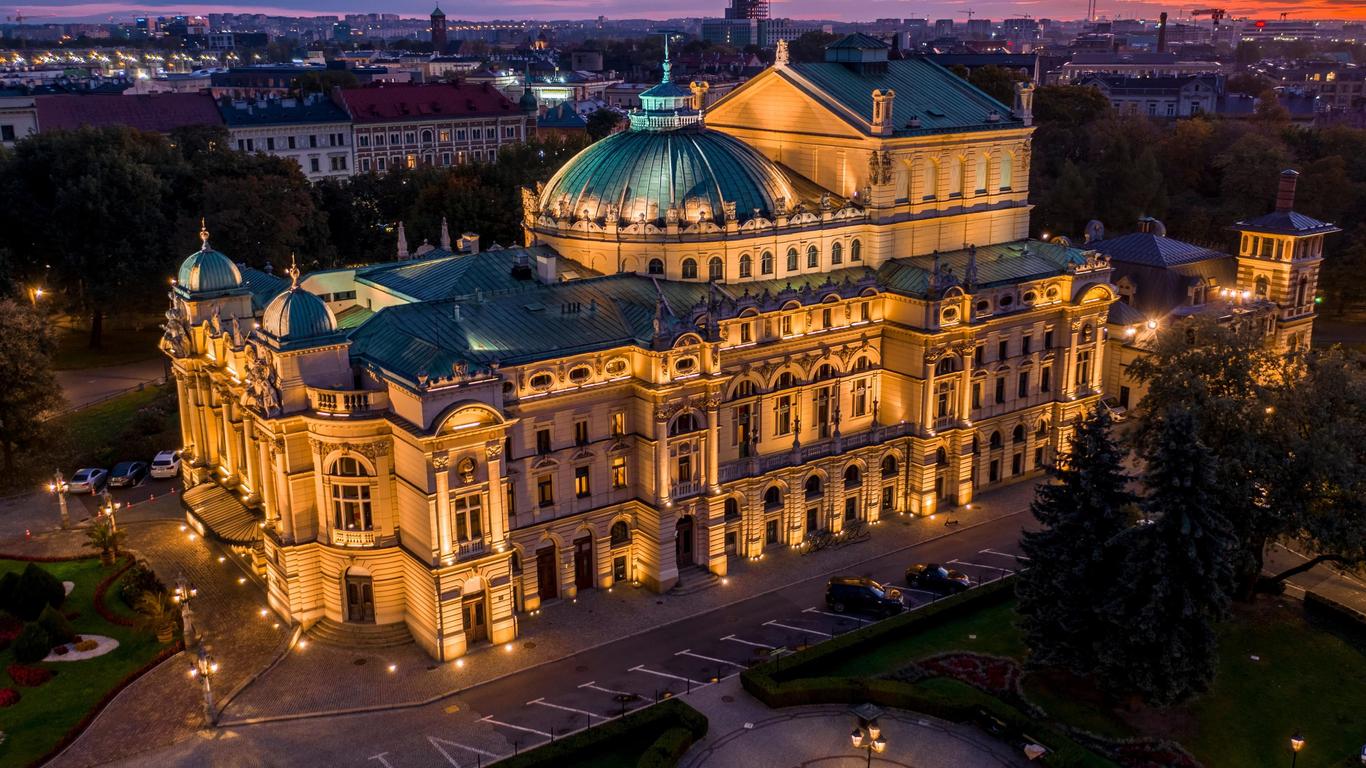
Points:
(58, 486)
(108, 508)
(185, 591)
(204, 668)
(867, 735)
(1296, 744)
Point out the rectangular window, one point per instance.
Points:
(581, 433)
(860, 397)
(863, 311)
(476, 133)
(1048, 339)
(976, 394)
(1045, 379)
(6, 133)
(351, 507)
(1002, 349)
(1025, 343)
(545, 491)
(313, 140)
(364, 140)
(581, 489)
(826, 318)
(444, 134)
(410, 137)
(365, 165)
(270, 143)
(313, 165)
(618, 471)
(1023, 389)
(1084, 368)
(684, 467)
(978, 354)
(1000, 389)
(746, 333)
(468, 518)
(460, 135)
(394, 139)
(782, 416)
(542, 441)
(445, 158)
(379, 140)
(618, 420)
(786, 325)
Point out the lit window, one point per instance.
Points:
(468, 522)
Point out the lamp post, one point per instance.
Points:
(867, 734)
(204, 668)
(1296, 744)
(108, 507)
(184, 592)
(58, 487)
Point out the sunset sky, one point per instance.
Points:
(846, 10)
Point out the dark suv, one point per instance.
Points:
(852, 593)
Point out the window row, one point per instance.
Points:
(716, 267)
(443, 135)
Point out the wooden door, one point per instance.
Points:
(545, 574)
(476, 622)
(683, 544)
(360, 599)
(583, 563)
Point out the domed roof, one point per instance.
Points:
(528, 101)
(207, 270)
(297, 314)
(644, 173)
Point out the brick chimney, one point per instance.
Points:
(1285, 195)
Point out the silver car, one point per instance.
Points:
(88, 480)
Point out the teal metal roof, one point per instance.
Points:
(262, 285)
(296, 315)
(643, 173)
(858, 41)
(441, 274)
(1000, 264)
(939, 99)
(208, 271)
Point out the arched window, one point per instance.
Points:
(791, 259)
(1263, 287)
(837, 254)
(1017, 435)
(1042, 431)
(889, 466)
(1302, 292)
(350, 496)
(813, 486)
(773, 497)
(684, 424)
(813, 257)
(861, 364)
(785, 381)
(746, 265)
(744, 389)
(716, 269)
(944, 366)
(621, 533)
(689, 269)
(825, 371)
(995, 439)
(856, 251)
(732, 508)
(941, 457)
(766, 263)
(656, 267)
(852, 476)
(427, 136)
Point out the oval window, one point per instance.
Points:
(616, 367)
(1006, 301)
(1030, 297)
(685, 364)
(950, 315)
(580, 374)
(984, 306)
(541, 381)
(507, 387)
(1053, 293)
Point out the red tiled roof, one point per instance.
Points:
(158, 112)
(389, 102)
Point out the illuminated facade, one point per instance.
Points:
(818, 309)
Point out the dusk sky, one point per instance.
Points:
(845, 10)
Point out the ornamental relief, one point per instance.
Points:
(372, 450)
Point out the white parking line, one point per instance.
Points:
(1003, 554)
(584, 712)
(806, 630)
(641, 668)
(436, 741)
(825, 613)
(489, 719)
(593, 684)
(981, 565)
(734, 639)
(921, 591)
(709, 658)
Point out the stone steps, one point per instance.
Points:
(694, 580)
(359, 636)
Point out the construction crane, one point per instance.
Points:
(1216, 14)
(1091, 10)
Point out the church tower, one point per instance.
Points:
(438, 31)
(1278, 260)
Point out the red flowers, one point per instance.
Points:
(8, 697)
(29, 677)
(991, 674)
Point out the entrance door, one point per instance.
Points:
(476, 623)
(683, 544)
(360, 599)
(545, 574)
(583, 563)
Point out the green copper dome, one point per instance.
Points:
(640, 174)
(297, 314)
(207, 270)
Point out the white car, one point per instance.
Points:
(1117, 412)
(88, 480)
(166, 464)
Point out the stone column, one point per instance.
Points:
(284, 497)
(267, 472)
(713, 445)
(441, 462)
(661, 457)
(186, 408)
(927, 397)
(497, 526)
(1069, 367)
(965, 394)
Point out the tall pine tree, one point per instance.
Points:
(1071, 561)
(1159, 640)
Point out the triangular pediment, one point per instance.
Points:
(778, 102)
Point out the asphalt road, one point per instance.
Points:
(522, 711)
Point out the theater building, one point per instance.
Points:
(814, 306)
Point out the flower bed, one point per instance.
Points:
(103, 587)
(992, 674)
(29, 677)
(8, 697)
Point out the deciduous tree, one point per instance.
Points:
(30, 391)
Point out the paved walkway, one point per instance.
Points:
(1323, 579)
(85, 386)
(364, 680)
(743, 732)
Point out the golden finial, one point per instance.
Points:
(293, 271)
(203, 234)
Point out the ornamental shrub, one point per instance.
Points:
(8, 697)
(58, 628)
(29, 677)
(32, 644)
(140, 579)
(8, 583)
(35, 590)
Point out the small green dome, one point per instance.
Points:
(645, 172)
(297, 314)
(207, 270)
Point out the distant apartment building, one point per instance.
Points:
(747, 9)
(435, 124)
(157, 112)
(771, 31)
(1135, 65)
(979, 29)
(1172, 97)
(18, 119)
(558, 87)
(736, 33)
(312, 131)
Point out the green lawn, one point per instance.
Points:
(44, 714)
(1306, 678)
(119, 346)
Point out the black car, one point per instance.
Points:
(852, 593)
(933, 577)
(128, 473)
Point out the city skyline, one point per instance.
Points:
(663, 9)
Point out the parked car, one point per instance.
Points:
(166, 464)
(88, 480)
(127, 474)
(1117, 412)
(933, 577)
(854, 593)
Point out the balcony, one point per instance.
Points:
(354, 538)
(682, 489)
(760, 465)
(464, 550)
(347, 402)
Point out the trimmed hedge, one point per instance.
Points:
(679, 727)
(796, 680)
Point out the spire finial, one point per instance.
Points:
(668, 67)
(203, 235)
(293, 272)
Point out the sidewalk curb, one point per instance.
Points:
(439, 697)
